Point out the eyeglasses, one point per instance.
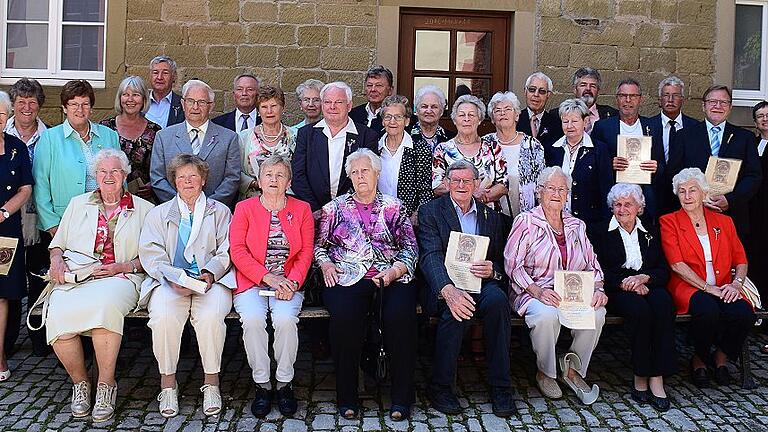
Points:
(630, 96)
(556, 190)
(334, 103)
(307, 100)
(672, 96)
(760, 116)
(717, 102)
(104, 173)
(461, 182)
(539, 90)
(75, 106)
(193, 102)
(501, 111)
(395, 117)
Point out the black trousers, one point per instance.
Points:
(649, 321)
(492, 306)
(349, 308)
(714, 322)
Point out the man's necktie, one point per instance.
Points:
(534, 126)
(672, 135)
(245, 122)
(715, 140)
(195, 141)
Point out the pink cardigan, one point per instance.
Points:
(248, 234)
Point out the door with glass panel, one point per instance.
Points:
(459, 52)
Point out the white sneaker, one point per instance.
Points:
(104, 407)
(169, 401)
(211, 399)
(81, 399)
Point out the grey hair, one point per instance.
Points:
(107, 153)
(474, 100)
(587, 72)
(427, 89)
(687, 175)
(363, 153)
(341, 85)
(575, 105)
(462, 164)
(189, 85)
(186, 159)
(259, 81)
(274, 160)
(500, 97)
(395, 100)
(672, 81)
(629, 81)
(541, 76)
(163, 59)
(378, 71)
(626, 190)
(26, 87)
(137, 84)
(309, 84)
(5, 100)
(547, 173)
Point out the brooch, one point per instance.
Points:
(13, 153)
(648, 238)
(290, 218)
(717, 232)
(350, 142)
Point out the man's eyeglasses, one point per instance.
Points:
(540, 90)
(717, 102)
(194, 102)
(461, 182)
(630, 96)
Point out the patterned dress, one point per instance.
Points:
(255, 149)
(522, 173)
(139, 151)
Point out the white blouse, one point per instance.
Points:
(631, 243)
(704, 240)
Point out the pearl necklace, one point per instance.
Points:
(510, 141)
(271, 138)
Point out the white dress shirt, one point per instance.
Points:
(761, 149)
(239, 120)
(631, 243)
(336, 151)
(390, 164)
(468, 220)
(665, 134)
(158, 110)
(200, 135)
(371, 114)
(720, 133)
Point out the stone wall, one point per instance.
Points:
(644, 39)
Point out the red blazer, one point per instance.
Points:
(248, 234)
(681, 244)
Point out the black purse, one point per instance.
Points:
(375, 361)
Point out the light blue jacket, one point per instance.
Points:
(59, 168)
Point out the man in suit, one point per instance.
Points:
(197, 135)
(671, 98)
(459, 211)
(534, 120)
(322, 148)
(164, 105)
(716, 137)
(586, 86)
(378, 85)
(628, 122)
(757, 253)
(245, 115)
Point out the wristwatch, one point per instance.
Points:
(5, 213)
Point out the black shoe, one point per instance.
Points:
(348, 413)
(262, 403)
(286, 401)
(443, 400)
(640, 396)
(661, 404)
(700, 377)
(503, 402)
(399, 412)
(722, 376)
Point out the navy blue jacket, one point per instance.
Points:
(227, 120)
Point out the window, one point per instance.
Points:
(53, 40)
(750, 53)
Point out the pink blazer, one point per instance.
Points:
(248, 234)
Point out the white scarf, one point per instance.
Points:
(197, 222)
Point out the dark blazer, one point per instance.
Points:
(176, 113)
(550, 128)
(666, 199)
(436, 221)
(658, 127)
(414, 181)
(311, 173)
(227, 120)
(694, 151)
(609, 246)
(758, 236)
(359, 115)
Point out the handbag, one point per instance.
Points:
(375, 361)
(750, 292)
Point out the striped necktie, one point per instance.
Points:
(195, 133)
(714, 140)
(245, 122)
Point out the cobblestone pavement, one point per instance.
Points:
(38, 394)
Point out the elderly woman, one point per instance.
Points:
(272, 244)
(95, 276)
(542, 241)
(184, 242)
(583, 159)
(405, 164)
(468, 111)
(15, 189)
(137, 134)
(269, 138)
(64, 156)
(708, 265)
(308, 94)
(429, 104)
(524, 154)
(366, 238)
(636, 276)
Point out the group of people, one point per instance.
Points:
(136, 212)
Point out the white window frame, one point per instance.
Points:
(750, 97)
(53, 75)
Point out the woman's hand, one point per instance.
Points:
(180, 290)
(389, 275)
(145, 192)
(549, 297)
(730, 293)
(481, 194)
(108, 270)
(58, 268)
(330, 273)
(649, 165)
(599, 299)
(631, 282)
(278, 283)
(206, 277)
(641, 289)
(285, 293)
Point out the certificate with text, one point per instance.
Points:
(635, 149)
(463, 250)
(575, 289)
(721, 175)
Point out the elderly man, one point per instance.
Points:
(378, 85)
(629, 97)
(197, 135)
(459, 211)
(671, 118)
(245, 115)
(716, 137)
(534, 120)
(322, 150)
(586, 86)
(164, 105)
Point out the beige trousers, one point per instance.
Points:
(168, 313)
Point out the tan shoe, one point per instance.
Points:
(548, 386)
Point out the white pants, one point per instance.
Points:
(168, 312)
(253, 310)
(545, 329)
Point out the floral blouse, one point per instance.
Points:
(254, 149)
(342, 239)
(139, 151)
(523, 173)
(104, 247)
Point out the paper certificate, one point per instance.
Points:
(635, 149)
(463, 250)
(575, 289)
(7, 252)
(721, 175)
(180, 277)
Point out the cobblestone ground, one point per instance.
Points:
(38, 394)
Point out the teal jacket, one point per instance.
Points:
(59, 168)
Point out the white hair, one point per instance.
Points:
(626, 190)
(193, 83)
(474, 100)
(363, 153)
(500, 97)
(541, 76)
(547, 173)
(341, 85)
(429, 89)
(107, 153)
(5, 100)
(308, 84)
(672, 81)
(575, 105)
(687, 175)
